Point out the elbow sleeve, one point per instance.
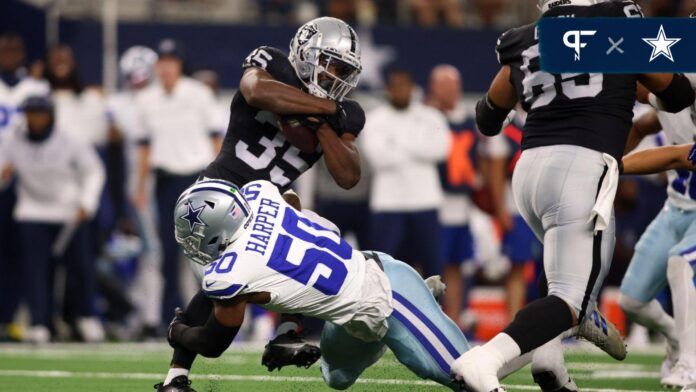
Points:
(678, 96)
(490, 117)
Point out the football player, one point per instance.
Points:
(666, 253)
(573, 138)
(309, 85)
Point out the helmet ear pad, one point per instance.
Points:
(304, 70)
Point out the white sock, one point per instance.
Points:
(681, 282)
(174, 373)
(503, 347)
(287, 326)
(515, 365)
(549, 357)
(652, 316)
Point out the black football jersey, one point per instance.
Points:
(254, 148)
(591, 110)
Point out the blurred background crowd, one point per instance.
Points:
(90, 174)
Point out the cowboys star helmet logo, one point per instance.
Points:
(193, 216)
(307, 32)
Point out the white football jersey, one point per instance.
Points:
(679, 128)
(307, 268)
(11, 97)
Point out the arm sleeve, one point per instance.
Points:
(92, 176)
(209, 340)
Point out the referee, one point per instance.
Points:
(179, 138)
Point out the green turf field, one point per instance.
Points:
(136, 367)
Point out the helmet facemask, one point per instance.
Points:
(331, 76)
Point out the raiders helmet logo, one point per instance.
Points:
(307, 32)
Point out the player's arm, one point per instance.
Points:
(659, 159)
(341, 156)
(670, 92)
(262, 91)
(647, 124)
(493, 108)
(216, 335)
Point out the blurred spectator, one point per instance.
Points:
(15, 87)
(222, 108)
(60, 180)
(428, 12)
(458, 178)
(137, 71)
(178, 141)
(488, 10)
(403, 141)
(519, 242)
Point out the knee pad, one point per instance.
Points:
(677, 267)
(630, 305)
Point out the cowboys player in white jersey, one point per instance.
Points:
(666, 254)
(309, 85)
(573, 139)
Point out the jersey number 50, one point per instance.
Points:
(324, 261)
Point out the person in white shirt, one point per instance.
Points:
(177, 121)
(403, 142)
(15, 87)
(59, 183)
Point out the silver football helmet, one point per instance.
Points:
(325, 53)
(137, 64)
(209, 216)
(545, 5)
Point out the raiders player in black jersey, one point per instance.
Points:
(564, 182)
(310, 84)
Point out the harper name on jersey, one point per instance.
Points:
(306, 267)
(590, 110)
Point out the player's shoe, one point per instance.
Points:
(603, 334)
(671, 358)
(548, 383)
(689, 388)
(287, 349)
(436, 285)
(681, 375)
(476, 371)
(178, 384)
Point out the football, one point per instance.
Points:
(298, 134)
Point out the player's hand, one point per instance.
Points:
(349, 117)
(692, 155)
(81, 215)
(178, 321)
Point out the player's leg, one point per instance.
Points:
(344, 358)
(646, 276)
(421, 336)
(680, 274)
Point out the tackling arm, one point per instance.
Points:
(341, 156)
(670, 92)
(659, 159)
(645, 125)
(261, 90)
(216, 335)
(493, 108)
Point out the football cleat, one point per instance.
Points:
(548, 383)
(603, 334)
(476, 371)
(680, 376)
(178, 384)
(287, 349)
(436, 285)
(671, 358)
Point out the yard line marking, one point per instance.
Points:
(232, 377)
(619, 374)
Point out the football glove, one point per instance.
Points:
(349, 117)
(289, 348)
